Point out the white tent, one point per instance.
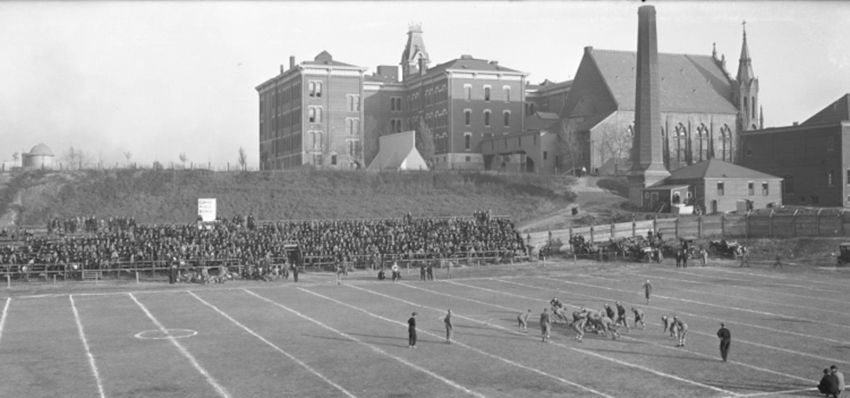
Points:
(398, 152)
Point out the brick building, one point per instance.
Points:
(312, 114)
(703, 109)
(531, 150)
(812, 157)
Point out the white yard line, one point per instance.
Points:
(86, 345)
(586, 352)
(762, 290)
(680, 349)
(764, 394)
(376, 349)
(3, 317)
(719, 306)
(218, 388)
(272, 345)
(839, 285)
(750, 299)
(697, 316)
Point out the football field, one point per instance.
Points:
(320, 339)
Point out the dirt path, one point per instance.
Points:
(591, 200)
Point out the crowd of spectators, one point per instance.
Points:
(105, 243)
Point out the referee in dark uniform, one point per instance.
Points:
(725, 341)
(411, 331)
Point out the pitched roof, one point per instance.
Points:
(689, 83)
(541, 121)
(325, 58)
(714, 168)
(467, 62)
(836, 112)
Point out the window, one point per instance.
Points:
(535, 139)
(395, 104)
(751, 188)
(848, 176)
(830, 144)
(487, 118)
(467, 140)
(315, 88)
(467, 119)
(529, 108)
(314, 114)
(353, 103)
(748, 149)
(395, 125)
(507, 118)
(351, 145)
(467, 92)
(764, 188)
(507, 91)
(545, 155)
(486, 93)
(830, 178)
(316, 137)
(352, 126)
(333, 160)
(720, 189)
(468, 159)
(681, 143)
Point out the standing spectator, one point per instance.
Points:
(647, 290)
(449, 328)
(725, 341)
(745, 257)
(828, 384)
(679, 258)
(422, 272)
(411, 331)
(522, 320)
(839, 376)
(704, 255)
(448, 264)
(396, 276)
(294, 272)
(429, 271)
(778, 262)
(545, 324)
(340, 270)
(172, 273)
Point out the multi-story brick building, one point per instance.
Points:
(812, 156)
(312, 114)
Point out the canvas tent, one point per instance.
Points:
(398, 152)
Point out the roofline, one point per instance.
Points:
(799, 127)
(300, 67)
(604, 79)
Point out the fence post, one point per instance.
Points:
(770, 224)
(634, 228)
(699, 227)
(817, 233)
(794, 219)
(137, 277)
(675, 224)
(841, 220)
(722, 226)
(747, 226)
(8, 280)
(591, 233)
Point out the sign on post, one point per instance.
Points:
(206, 209)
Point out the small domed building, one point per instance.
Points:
(39, 157)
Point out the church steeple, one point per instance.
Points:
(414, 55)
(747, 89)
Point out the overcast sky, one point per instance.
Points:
(160, 78)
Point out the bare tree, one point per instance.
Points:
(76, 158)
(242, 158)
(128, 155)
(616, 144)
(567, 145)
(184, 158)
(15, 156)
(425, 141)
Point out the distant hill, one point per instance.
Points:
(171, 195)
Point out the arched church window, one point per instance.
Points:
(704, 143)
(681, 134)
(726, 143)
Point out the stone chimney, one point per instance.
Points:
(648, 163)
(423, 66)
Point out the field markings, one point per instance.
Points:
(86, 346)
(272, 345)
(3, 317)
(719, 306)
(680, 349)
(722, 295)
(776, 277)
(586, 352)
(818, 357)
(757, 289)
(764, 394)
(376, 349)
(219, 389)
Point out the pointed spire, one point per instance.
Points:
(761, 117)
(745, 65)
(714, 50)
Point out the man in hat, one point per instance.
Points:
(545, 324)
(411, 331)
(449, 328)
(725, 341)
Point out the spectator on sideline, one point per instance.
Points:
(411, 331)
(725, 341)
(828, 384)
(839, 376)
(449, 328)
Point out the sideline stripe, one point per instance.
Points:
(219, 389)
(269, 343)
(733, 297)
(586, 352)
(720, 306)
(376, 349)
(700, 316)
(763, 290)
(3, 317)
(775, 277)
(85, 345)
(762, 394)
(681, 349)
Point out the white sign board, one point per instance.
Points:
(206, 209)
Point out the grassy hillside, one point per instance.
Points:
(171, 195)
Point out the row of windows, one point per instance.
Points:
(682, 149)
(830, 146)
(765, 191)
(467, 117)
(278, 97)
(314, 88)
(467, 92)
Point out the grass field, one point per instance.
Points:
(320, 339)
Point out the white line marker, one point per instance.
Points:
(750, 299)
(376, 349)
(763, 394)
(86, 346)
(680, 349)
(272, 345)
(773, 277)
(556, 344)
(712, 305)
(219, 389)
(3, 317)
(821, 358)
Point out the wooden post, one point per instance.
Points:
(817, 233)
(841, 220)
(770, 224)
(699, 227)
(634, 228)
(591, 233)
(612, 230)
(137, 277)
(676, 224)
(794, 218)
(8, 280)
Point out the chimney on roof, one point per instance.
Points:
(281, 68)
(291, 61)
(588, 49)
(423, 66)
(388, 71)
(494, 63)
(466, 56)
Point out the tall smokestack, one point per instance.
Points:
(647, 159)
